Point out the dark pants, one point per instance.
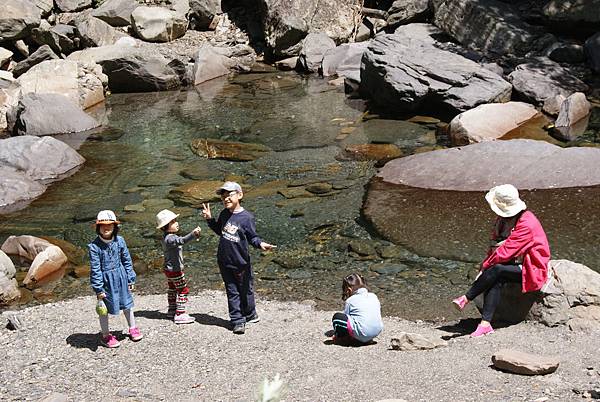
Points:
(239, 285)
(340, 325)
(490, 283)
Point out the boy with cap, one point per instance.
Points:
(177, 295)
(236, 229)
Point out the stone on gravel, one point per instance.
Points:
(40, 55)
(17, 19)
(542, 79)
(157, 24)
(314, 47)
(46, 114)
(402, 72)
(518, 362)
(411, 341)
(555, 167)
(490, 122)
(573, 109)
(116, 13)
(15, 322)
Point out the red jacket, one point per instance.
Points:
(527, 240)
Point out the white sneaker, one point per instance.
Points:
(184, 319)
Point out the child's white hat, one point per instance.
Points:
(504, 200)
(165, 216)
(229, 186)
(106, 217)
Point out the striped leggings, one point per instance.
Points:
(177, 294)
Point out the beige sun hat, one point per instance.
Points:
(165, 216)
(504, 200)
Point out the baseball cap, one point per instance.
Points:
(229, 186)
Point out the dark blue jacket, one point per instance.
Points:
(236, 231)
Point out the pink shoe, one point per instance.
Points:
(481, 331)
(460, 302)
(135, 334)
(110, 341)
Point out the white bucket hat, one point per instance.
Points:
(229, 186)
(165, 216)
(106, 217)
(504, 200)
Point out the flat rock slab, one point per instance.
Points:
(231, 151)
(527, 164)
(410, 341)
(524, 363)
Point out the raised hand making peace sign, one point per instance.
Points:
(206, 211)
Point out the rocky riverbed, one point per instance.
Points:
(56, 351)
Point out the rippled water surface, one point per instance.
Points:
(145, 153)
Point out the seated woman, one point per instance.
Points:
(519, 253)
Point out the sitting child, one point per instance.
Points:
(361, 319)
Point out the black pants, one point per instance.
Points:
(490, 283)
(239, 286)
(340, 325)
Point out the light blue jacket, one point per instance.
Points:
(364, 312)
(111, 271)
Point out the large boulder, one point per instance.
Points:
(95, 32)
(71, 6)
(47, 261)
(157, 24)
(46, 114)
(344, 60)
(400, 72)
(116, 12)
(314, 47)
(16, 188)
(407, 11)
(541, 79)
(45, 7)
(592, 52)
(571, 297)
(81, 83)
(209, 64)
(573, 109)
(40, 55)
(287, 22)
(44, 159)
(555, 167)
(17, 19)
(131, 70)
(61, 38)
(487, 25)
(490, 121)
(202, 12)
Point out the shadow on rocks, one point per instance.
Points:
(152, 315)
(90, 341)
(206, 319)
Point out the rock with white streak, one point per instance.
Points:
(573, 109)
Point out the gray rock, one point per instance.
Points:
(524, 363)
(314, 47)
(405, 73)
(22, 48)
(10, 92)
(592, 52)
(95, 32)
(71, 6)
(573, 109)
(61, 38)
(17, 19)
(411, 341)
(157, 24)
(208, 64)
(116, 13)
(202, 12)
(552, 104)
(388, 268)
(407, 11)
(287, 64)
(362, 247)
(40, 55)
(7, 268)
(48, 113)
(490, 122)
(541, 79)
(9, 288)
(45, 7)
(573, 12)
(287, 23)
(421, 31)
(16, 189)
(58, 397)
(556, 167)
(487, 25)
(344, 60)
(5, 56)
(15, 322)
(566, 53)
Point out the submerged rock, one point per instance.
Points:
(373, 152)
(232, 151)
(196, 192)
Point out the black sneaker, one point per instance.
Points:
(253, 319)
(239, 328)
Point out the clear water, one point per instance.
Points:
(145, 152)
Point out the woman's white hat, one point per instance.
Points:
(504, 200)
(106, 217)
(165, 216)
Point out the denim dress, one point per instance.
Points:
(111, 271)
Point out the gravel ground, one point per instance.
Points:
(57, 351)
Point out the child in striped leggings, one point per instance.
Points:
(177, 294)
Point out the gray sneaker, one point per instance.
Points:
(253, 319)
(239, 328)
